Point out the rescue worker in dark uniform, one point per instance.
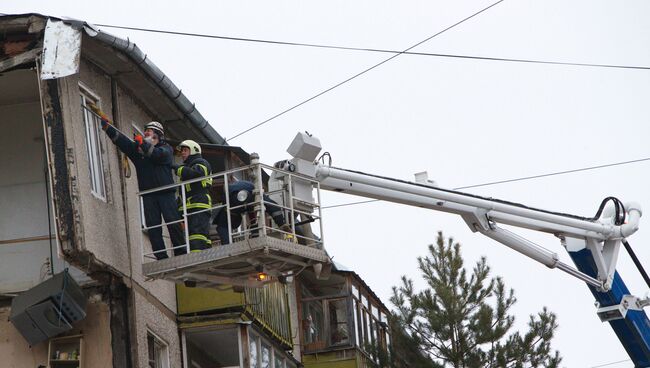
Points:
(241, 193)
(152, 158)
(197, 194)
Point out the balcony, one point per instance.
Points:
(257, 251)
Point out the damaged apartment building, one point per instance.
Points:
(75, 289)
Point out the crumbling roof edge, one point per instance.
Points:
(139, 58)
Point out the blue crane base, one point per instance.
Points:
(634, 330)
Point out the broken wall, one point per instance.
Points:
(109, 229)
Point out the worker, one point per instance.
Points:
(240, 194)
(197, 196)
(152, 158)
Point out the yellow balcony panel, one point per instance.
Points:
(196, 300)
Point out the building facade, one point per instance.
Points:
(69, 204)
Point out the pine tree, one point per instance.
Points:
(463, 320)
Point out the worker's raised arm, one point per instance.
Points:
(161, 154)
(124, 144)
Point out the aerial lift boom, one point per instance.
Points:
(592, 243)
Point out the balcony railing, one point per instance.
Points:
(298, 245)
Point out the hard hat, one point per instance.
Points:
(156, 126)
(193, 146)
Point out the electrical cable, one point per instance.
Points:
(612, 363)
(375, 50)
(516, 179)
(619, 214)
(362, 72)
(62, 294)
(554, 173)
(49, 219)
(636, 261)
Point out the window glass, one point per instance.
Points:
(366, 336)
(338, 317)
(312, 321)
(266, 356)
(364, 301)
(253, 353)
(383, 317)
(94, 148)
(213, 347)
(157, 350)
(357, 323)
(278, 361)
(373, 331)
(355, 290)
(375, 312)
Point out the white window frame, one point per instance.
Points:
(94, 144)
(273, 350)
(164, 352)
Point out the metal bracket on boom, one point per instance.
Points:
(477, 220)
(604, 253)
(618, 311)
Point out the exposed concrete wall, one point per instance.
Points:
(14, 350)
(150, 318)
(96, 353)
(103, 222)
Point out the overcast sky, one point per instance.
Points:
(465, 121)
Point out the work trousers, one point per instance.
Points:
(198, 223)
(236, 219)
(198, 227)
(157, 205)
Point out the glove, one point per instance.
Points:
(104, 124)
(138, 139)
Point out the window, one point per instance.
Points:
(278, 361)
(262, 355)
(313, 324)
(253, 352)
(358, 325)
(338, 319)
(93, 146)
(158, 352)
(266, 356)
(213, 347)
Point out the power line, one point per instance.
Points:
(553, 174)
(612, 363)
(363, 72)
(386, 51)
(514, 180)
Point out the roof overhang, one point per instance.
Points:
(132, 69)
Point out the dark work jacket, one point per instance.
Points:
(152, 163)
(193, 168)
(270, 206)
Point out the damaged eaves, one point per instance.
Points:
(160, 79)
(118, 56)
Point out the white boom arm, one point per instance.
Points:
(601, 236)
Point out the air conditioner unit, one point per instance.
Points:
(48, 309)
